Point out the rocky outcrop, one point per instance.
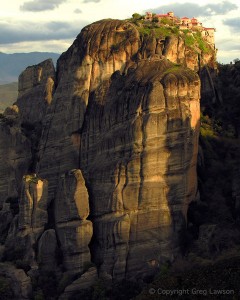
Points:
(35, 91)
(72, 201)
(21, 126)
(148, 171)
(84, 282)
(27, 227)
(19, 283)
(176, 50)
(15, 153)
(132, 128)
(73, 230)
(124, 119)
(47, 249)
(33, 203)
(6, 218)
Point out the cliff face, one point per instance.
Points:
(139, 162)
(132, 128)
(118, 151)
(21, 126)
(35, 91)
(15, 153)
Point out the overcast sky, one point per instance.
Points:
(52, 25)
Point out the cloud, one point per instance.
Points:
(57, 26)
(57, 46)
(227, 44)
(29, 31)
(233, 23)
(196, 10)
(87, 1)
(41, 5)
(77, 11)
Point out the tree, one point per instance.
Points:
(155, 19)
(137, 16)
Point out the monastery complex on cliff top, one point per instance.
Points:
(184, 24)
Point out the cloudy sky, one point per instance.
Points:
(52, 25)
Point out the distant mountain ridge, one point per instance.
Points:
(11, 65)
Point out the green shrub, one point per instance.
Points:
(137, 16)
(166, 21)
(202, 45)
(144, 31)
(162, 32)
(155, 19)
(175, 30)
(189, 40)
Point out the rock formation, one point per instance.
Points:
(35, 91)
(19, 282)
(118, 151)
(132, 128)
(47, 247)
(15, 153)
(73, 230)
(29, 224)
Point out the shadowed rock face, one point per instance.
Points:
(19, 129)
(125, 120)
(73, 230)
(15, 154)
(28, 226)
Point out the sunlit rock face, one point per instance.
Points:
(140, 164)
(115, 167)
(36, 86)
(131, 127)
(33, 203)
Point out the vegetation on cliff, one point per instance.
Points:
(165, 28)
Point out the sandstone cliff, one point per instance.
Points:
(35, 91)
(15, 153)
(131, 126)
(118, 152)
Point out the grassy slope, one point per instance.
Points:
(8, 94)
